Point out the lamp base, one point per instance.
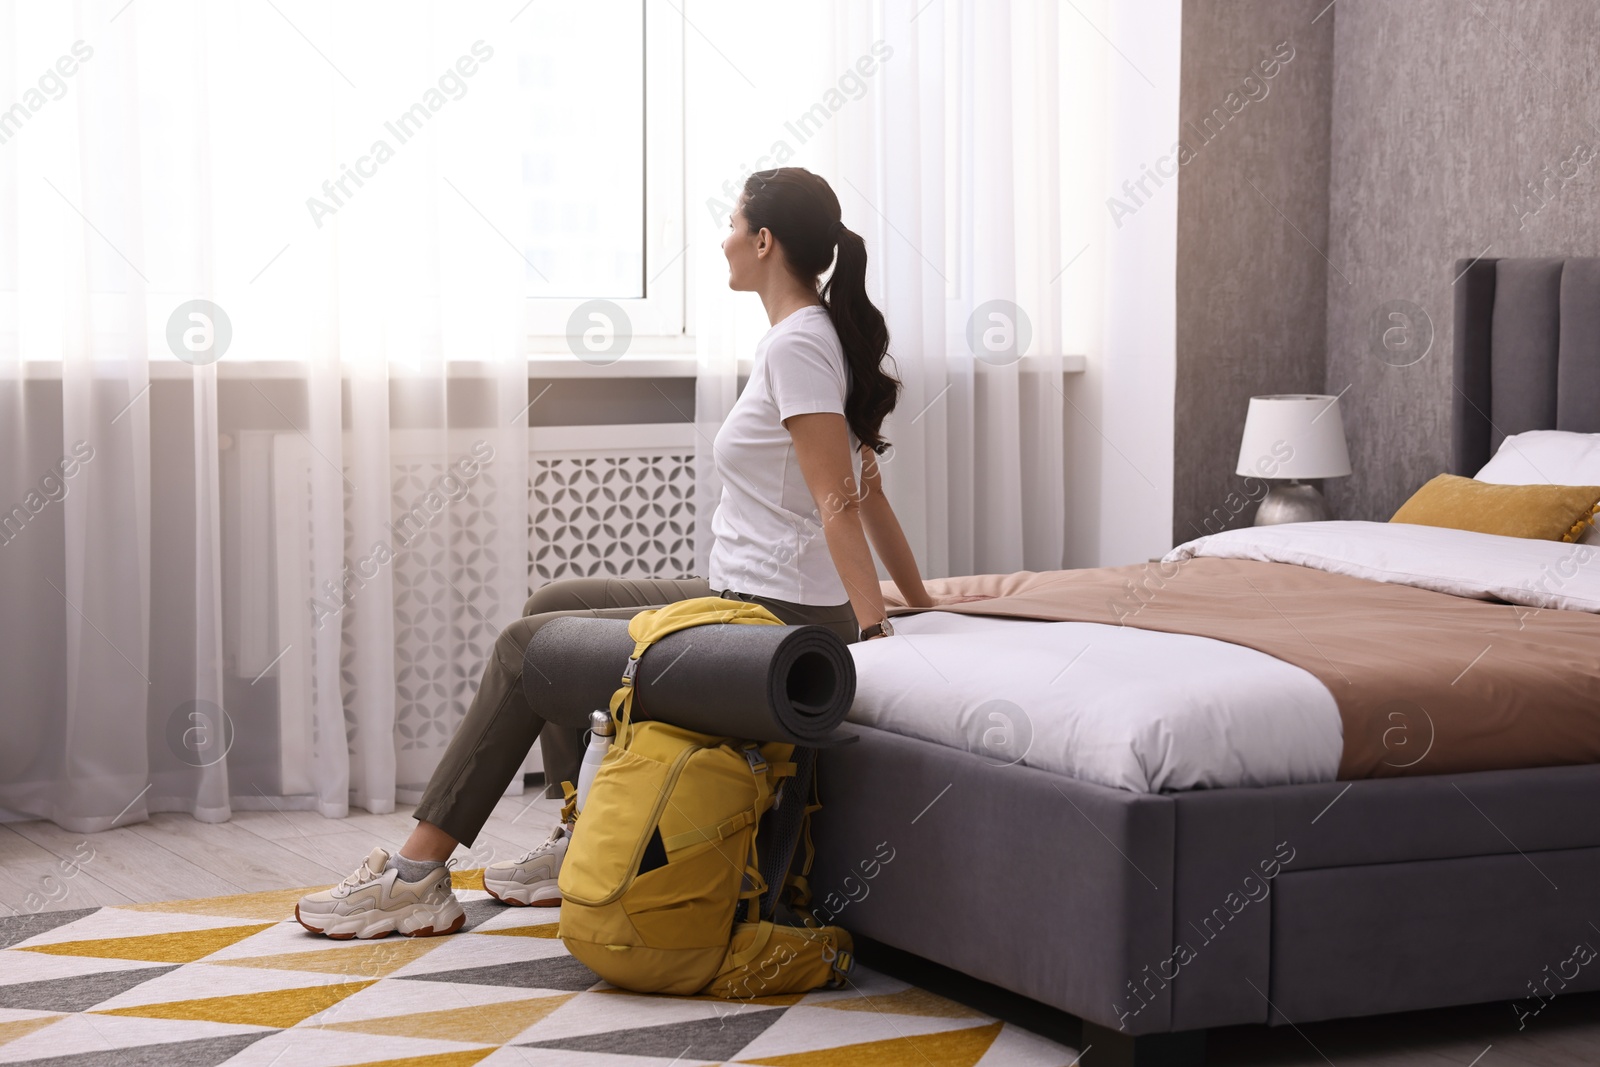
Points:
(1294, 502)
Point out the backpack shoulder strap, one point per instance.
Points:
(652, 624)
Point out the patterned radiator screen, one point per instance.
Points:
(601, 500)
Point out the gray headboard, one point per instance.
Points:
(1527, 352)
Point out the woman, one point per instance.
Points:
(802, 436)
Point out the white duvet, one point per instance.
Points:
(1149, 711)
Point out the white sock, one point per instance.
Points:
(412, 870)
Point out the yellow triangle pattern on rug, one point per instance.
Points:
(21, 1027)
(472, 878)
(364, 961)
(485, 1024)
(910, 1001)
(949, 1048)
(180, 947)
(442, 1059)
(281, 1008)
(550, 930)
(154, 980)
(274, 904)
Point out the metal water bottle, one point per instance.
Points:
(601, 730)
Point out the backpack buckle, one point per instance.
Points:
(841, 962)
(630, 670)
(752, 756)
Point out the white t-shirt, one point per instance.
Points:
(768, 528)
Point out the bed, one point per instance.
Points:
(1433, 863)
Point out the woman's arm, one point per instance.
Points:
(883, 530)
(822, 446)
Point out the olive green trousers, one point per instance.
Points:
(492, 742)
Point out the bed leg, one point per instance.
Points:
(1105, 1047)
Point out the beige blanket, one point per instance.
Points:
(1426, 683)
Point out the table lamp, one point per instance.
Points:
(1289, 438)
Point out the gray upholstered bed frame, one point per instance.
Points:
(1390, 894)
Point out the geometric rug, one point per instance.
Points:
(235, 980)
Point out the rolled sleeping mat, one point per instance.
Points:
(758, 682)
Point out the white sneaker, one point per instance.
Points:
(374, 902)
(530, 879)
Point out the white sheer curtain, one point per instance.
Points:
(166, 153)
(216, 574)
(938, 125)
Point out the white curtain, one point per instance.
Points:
(152, 564)
(216, 574)
(938, 124)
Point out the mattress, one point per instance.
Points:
(1117, 706)
(1126, 705)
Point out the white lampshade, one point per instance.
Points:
(1294, 436)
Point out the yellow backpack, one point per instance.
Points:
(664, 853)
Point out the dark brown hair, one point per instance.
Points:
(802, 212)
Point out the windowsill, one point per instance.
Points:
(545, 365)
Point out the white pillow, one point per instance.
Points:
(1545, 457)
(1548, 457)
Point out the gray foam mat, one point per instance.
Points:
(758, 682)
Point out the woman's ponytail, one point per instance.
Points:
(865, 337)
(802, 212)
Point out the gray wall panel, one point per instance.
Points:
(1457, 132)
(1252, 217)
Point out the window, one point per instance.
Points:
(600, 120)
(303, 205)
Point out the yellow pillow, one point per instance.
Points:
(1545, 512)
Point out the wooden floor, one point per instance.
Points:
(1565, 1034)
(171, 857)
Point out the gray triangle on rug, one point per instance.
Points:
(15, 929)
(200, 1052)
(700, 1039)
(479, 912)
(77, 993)
(562, 973)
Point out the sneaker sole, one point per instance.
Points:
(389, 924)
(539, 894)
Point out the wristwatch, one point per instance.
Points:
(878, 629)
